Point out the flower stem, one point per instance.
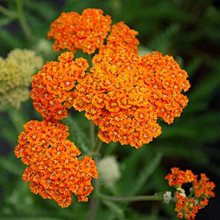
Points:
(92, 134)
(22, 19)
(130, 198)
(94, 203)
(95, 149)
(96, 145)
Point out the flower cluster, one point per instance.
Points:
(52, 86)
(53, 168)
(187, 206)
(15, 76)
(74, 31)
(123, 36)
(125, 93)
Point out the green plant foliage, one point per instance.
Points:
(187, 30)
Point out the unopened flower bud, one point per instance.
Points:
(109, 170)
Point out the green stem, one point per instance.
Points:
(92, 134)
(22, 19)
(96, 148)
(96, 145)
(129, 198)
(94, 203)
(7, 12)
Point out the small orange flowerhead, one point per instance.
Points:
(122, 35)
(53, 169)
(73, 31)
(53, 85)
(187, 206)
(168, 83)
(124, 94)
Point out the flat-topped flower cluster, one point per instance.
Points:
(123, 93)
(187, 206)
(53, 168)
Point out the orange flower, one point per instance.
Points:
(203, 187)
(74, 31)
(115, 97)
(187, 206)
(54, 170)
(52, 86)
(166, 87)
(122, 35)
(178, 177)
(124, 95)
(121, 84)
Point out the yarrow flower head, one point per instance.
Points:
(52, 86)
(187, 206)
(125, 93)
(53, 169)
(74, 31)
(15, 76)
(122, 92)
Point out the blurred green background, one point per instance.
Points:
(189, 31)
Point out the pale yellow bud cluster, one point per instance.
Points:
(15, 76)
(109, 170)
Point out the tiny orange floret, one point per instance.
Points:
(73, 31)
